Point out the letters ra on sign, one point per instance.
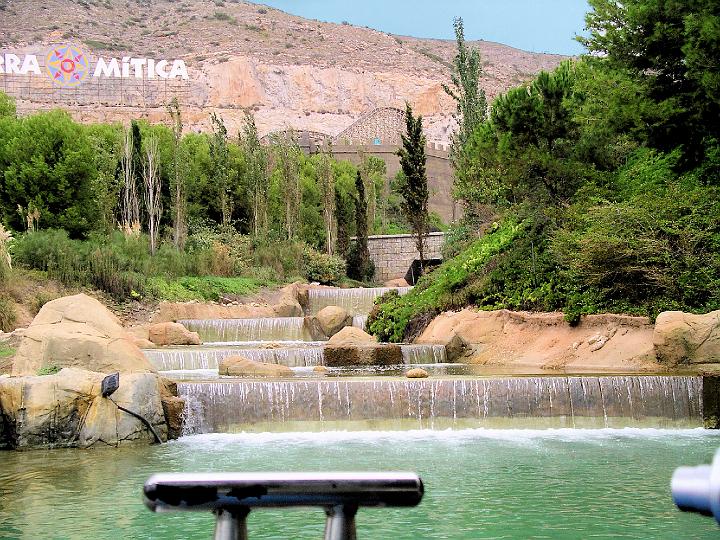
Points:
(68, 66)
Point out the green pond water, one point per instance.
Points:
(562, 483)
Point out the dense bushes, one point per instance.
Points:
(123, 267)
(445, 288)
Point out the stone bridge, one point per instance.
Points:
(394, 254)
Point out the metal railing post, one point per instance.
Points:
(231, 496)
(340, 523)
(231, 525)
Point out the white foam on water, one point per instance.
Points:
(450, 435)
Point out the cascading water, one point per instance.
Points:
(617, 401)
(237, 330)
(208, 358)
(354, 301)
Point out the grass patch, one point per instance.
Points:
(439, 290)
(6, 351)
(106, 46)
(48, 370)
(207, 288)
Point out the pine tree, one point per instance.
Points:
(414, 188)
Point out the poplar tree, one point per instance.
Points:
(329, 195)
(220, 167)
(414, 188)
(179, 177)
(257, 174)
(287, 155)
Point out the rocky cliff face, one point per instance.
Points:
(290, 71)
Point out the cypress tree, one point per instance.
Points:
(414, 188)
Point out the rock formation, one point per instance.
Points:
(172, 333)
(237, 366)
(546, 341)
(78, 331)
(353, 347)
(332, 319)
(684, 338)
(66, 408)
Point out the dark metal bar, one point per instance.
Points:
(231, 496)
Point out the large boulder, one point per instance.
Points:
(288, 304)
(78, 331)
(173, 407)
(237, 366)
(172, 333)
(332, 319)
(67, 410)
(685, 338)
(350, 335)
(353, 347)
(397, 282)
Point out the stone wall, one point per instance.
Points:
(393, 255)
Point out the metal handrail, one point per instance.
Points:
(231, 496)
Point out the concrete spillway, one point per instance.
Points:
(355, 301)
(617, 401)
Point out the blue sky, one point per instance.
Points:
(533, 25)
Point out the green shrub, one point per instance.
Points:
(8, 315)
(6, 351)
(39, 300)
(323, 268)
(207, 288)
(48, 370)
(441, 289)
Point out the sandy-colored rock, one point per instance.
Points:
(178, 311)
(13, 339)
(685, 338)
(139, 332)
(356, 349)
(398, 282)
(416, 373)
(351, 335)
(332, 319)
(173, 407)
(288, 304)
(144, 343)
(67, 410)
(320, 369)
(545, 341)
(237, 366)
(78, 331)
(172, 333)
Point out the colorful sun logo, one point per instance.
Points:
(67, 66)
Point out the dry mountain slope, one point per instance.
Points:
(292, 71)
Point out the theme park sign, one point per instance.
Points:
(68, 66)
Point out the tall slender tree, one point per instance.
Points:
(327, 186)
(179, 192)
(470, 101)
(287, 156)
(414, 188)
(257, 174)
(153, 187)
(220, 166)
(129, 204)
(359, 264)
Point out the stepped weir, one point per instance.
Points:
(612, 401)
(346, 398)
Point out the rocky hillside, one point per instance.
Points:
(292, 71)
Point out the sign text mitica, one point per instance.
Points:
(68, 66)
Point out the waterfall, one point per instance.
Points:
(355, 301)
(263, 329)
(653, 401)
(210, 357)
(424, 354)
(360, 321)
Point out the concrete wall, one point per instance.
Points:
(394, 254)
(439, 172)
